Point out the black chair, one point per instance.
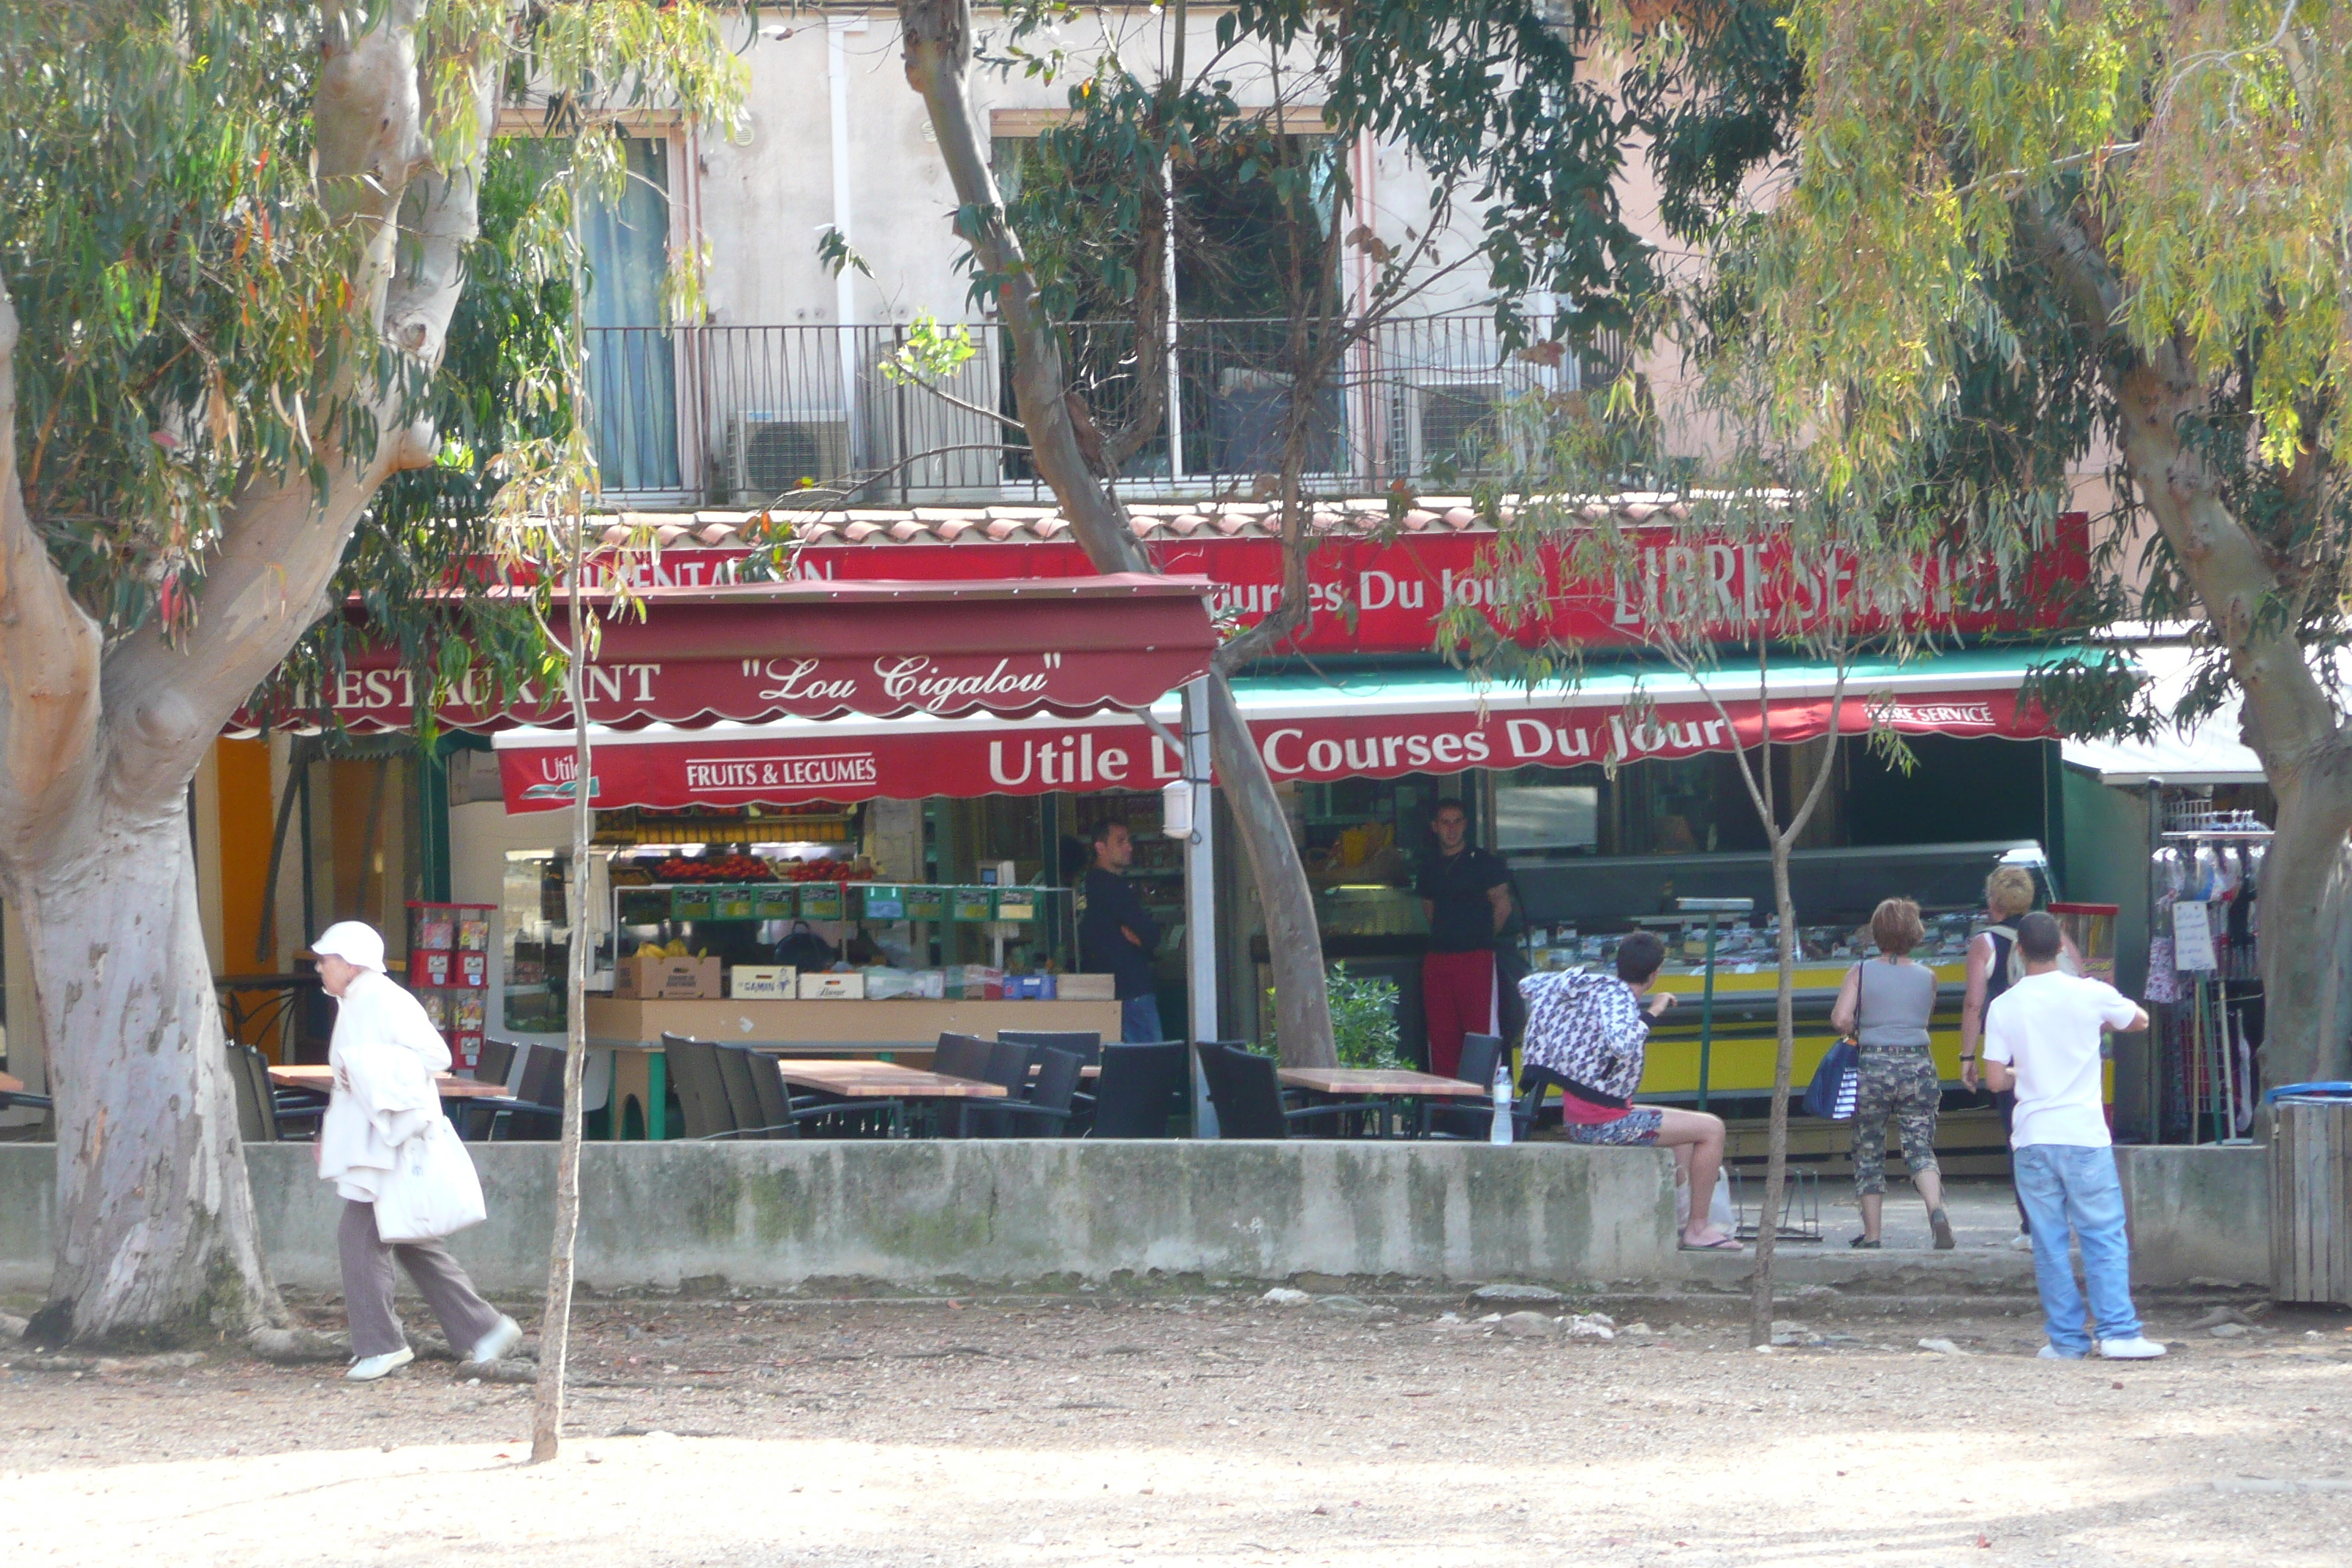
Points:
(1046, 1112)
(535, 1110)
(1009, 1062)
(1142, 1088)
(764, 1108)
(1247, 1096)
(495, 1062)
(960, 1055)
(704, 1110)
(265, 1113)
(1084, 1044)
(1468, 1119)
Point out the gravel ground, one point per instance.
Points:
(1214, 1429)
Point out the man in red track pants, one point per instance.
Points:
(1465, 892)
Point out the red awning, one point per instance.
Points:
(753, 651)
(1307, 731)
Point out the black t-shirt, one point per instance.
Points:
(1110, 902)
(1462, 919)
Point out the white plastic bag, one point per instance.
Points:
(432, 1190)
(1719, 1210)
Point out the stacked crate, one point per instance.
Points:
(449, 970)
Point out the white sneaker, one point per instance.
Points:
(494, 1345)
(2137, 1348)
(367, 1368)
(2051, 1353)
(2021, 1242)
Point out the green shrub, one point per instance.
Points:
(1363, 1020)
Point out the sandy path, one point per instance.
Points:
(1166, 1434)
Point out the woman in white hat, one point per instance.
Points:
(385, 1052)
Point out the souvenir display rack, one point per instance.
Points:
(2204, 973)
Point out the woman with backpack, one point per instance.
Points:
(1886, 1005)
(1993, 962)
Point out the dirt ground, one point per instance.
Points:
(1218, 1429)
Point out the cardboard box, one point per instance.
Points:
(931, 985)
(774, 982)
(1029, 988)
(976, 982)
(1086, 987)
(644, 977)
(833, 987)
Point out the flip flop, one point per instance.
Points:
(1865, 1244)
(1720, 1244)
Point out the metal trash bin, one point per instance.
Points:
(2310, 1193)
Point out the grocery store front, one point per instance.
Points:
(727, 921)
(1609, 800)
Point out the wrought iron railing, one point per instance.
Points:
(807, 416)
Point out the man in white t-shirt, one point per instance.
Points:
(2042, 1036)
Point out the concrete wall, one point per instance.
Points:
(775, 1214)
(2198, 1213)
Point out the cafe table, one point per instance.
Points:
(319, 1078)
(1387, 1085)
(11, 1085)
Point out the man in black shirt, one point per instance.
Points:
(1465, 891)
(1116, 936)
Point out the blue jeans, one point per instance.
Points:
(2070, 1186)
(1139, 1020)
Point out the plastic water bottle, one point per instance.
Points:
(1501, 1130)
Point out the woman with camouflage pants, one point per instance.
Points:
(1885, 1004)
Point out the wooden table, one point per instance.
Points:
(877, 1080)
(11, 1085)
(1384, 1085)
(321, 1080)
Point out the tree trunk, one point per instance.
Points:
(555, 1321)
(155, 1222)
(935, 43)
(2305, 893)
(1776, 1162)
(1293, 943)
(2288, 718)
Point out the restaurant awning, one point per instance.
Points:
(1310, 729)
(755, 651)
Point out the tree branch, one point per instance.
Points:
(284, 537)
(49, 651)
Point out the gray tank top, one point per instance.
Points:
(1897, 1000)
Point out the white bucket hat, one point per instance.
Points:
(353, 941)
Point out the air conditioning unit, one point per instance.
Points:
(771, 454)
(1457, 422)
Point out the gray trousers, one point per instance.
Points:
(368, 1283)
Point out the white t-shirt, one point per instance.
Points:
(2046, 1027)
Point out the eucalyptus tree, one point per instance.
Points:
(2059, 236)
(1520, 146)
(233, 241)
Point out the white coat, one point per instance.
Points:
(385, 1052)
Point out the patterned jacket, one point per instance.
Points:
(1587, 1031)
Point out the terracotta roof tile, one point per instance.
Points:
(1151, 521)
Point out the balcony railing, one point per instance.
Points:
(752, 416)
